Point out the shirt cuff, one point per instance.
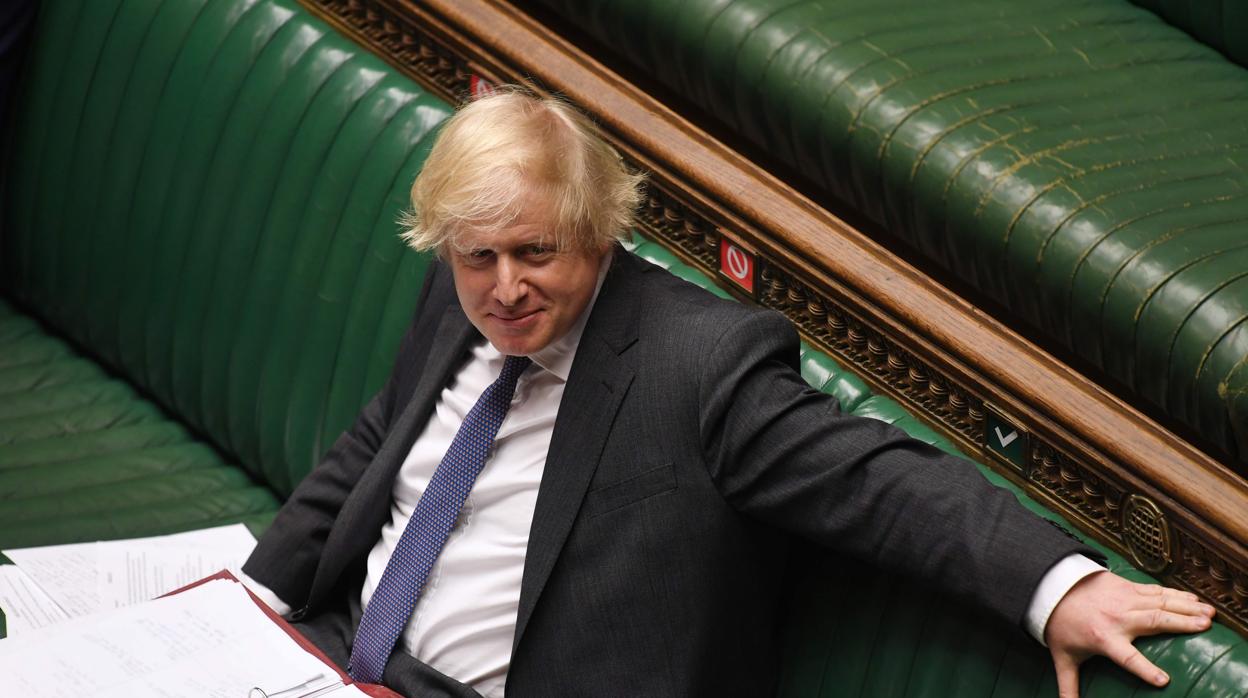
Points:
(264, 593)
(1053, 588)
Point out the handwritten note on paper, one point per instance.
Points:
(208, 642)
(26, 606)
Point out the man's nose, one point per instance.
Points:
(509, 287)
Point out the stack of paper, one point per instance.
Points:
(52, 583)
(211, 641)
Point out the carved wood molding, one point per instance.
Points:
(1117, 474)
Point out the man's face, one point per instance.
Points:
(519, 291)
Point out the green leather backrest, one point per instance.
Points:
(206, 202)
(1081, 163)
(1223, 24)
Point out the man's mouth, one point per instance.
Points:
(517, 320)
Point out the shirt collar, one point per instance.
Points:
(557, 356)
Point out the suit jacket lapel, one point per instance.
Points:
(367, 508)
(596, 386)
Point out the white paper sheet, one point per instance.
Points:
(207, 642)
(66, 572)
(26, 606)
(86, 578)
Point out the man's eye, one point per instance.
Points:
(538, 250)
(479, 254)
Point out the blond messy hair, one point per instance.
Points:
(497, 152)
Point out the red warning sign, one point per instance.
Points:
(479, 87)
(737, 264)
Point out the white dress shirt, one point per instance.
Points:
(464, 622)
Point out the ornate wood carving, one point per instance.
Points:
(1081, 493)
(1182, 519)
(408, 40)
(1214, 577)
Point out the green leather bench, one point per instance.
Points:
(1079, 163)
(201, 200)
(1222, 24)
(203, 284)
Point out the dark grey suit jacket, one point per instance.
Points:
(686, 451)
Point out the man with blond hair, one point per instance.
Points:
(580, 477)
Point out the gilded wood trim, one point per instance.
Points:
(1115, 473)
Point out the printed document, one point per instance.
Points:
(211, 641)
(85, 578)
(26, 606)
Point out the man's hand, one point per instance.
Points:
(1103, 613)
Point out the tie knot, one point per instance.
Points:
(513, 366)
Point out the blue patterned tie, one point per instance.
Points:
(421, 543)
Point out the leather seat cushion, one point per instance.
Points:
(83, 457)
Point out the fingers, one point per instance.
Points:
(1067, 675)
(1168, 594)
(1128, 657)
(1187, 604)
(1154, 589)
(1164, 610)
(1159, 621)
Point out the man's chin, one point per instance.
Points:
(515, 339)
(517, 346)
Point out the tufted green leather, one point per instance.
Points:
(1223, 24)
(207, 202)
(202, 202)
(858, 632)
(83, 457)
(1080, 162)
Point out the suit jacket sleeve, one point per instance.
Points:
(784, 453)
(286, 557)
